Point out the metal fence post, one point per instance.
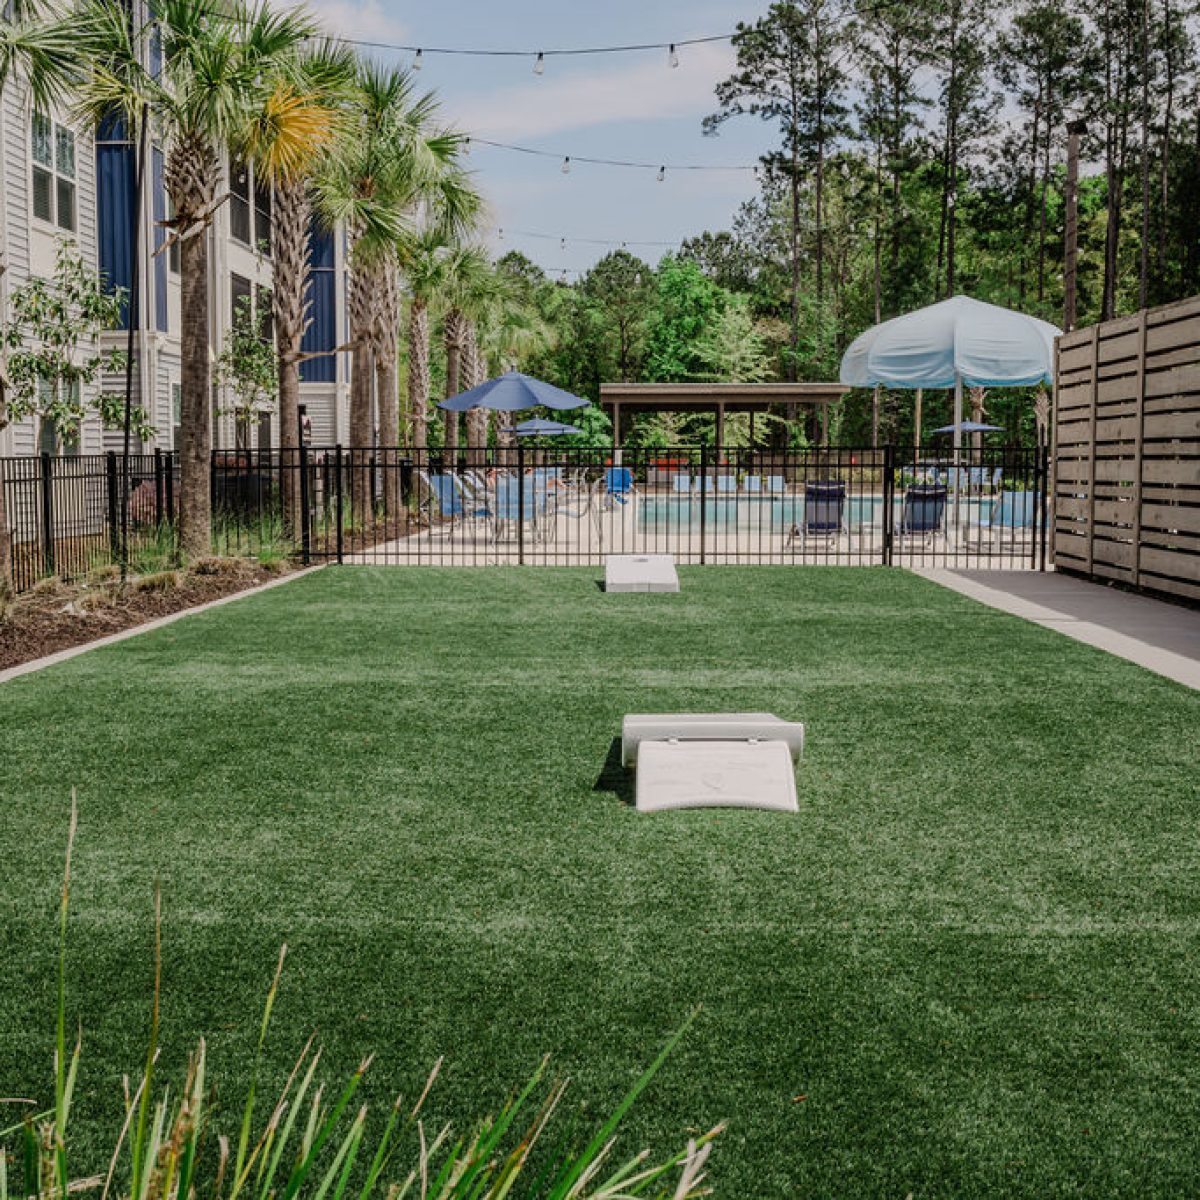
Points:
(521, 505)
(337, 480)
(158, 488)
(47, 499)
(703, 501)
(111, 484)
(305, 513)
(1041, 506)
(889, 501)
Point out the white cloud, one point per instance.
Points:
(364, 20)
(566, 98)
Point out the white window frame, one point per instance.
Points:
(59, 135)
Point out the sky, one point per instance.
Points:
(622, 106)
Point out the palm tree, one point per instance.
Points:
(286, 140)
(221, 62)
(40, 47)
(469, 275)
(390, 155)
(423, 258)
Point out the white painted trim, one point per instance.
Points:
(1154, 658)
(50, 660)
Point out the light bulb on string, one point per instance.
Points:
(566, 167)
(500, 234)
(416, 62)
(662, 174)
(562, 245)
(539, 64)
(466, 145)
(673, 56)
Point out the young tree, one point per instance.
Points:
(245, 369)
(51, 338)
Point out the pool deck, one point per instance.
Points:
(1161, 636)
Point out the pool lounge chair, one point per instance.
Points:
(924, 513)
(752, 485)
(681, 483)
(509, 507)
(1011, 514)
(824, 514)
(446, 493)
(726, 485)
(618, 485)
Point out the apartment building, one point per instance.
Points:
(58, 181)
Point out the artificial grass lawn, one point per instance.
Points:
(968, 967)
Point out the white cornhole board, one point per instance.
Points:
(712, 760)
(640, 573)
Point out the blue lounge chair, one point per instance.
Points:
(824, 513)
(752, 484)
(681, 483)
(452, 502)
(924, 513)
(1012, 513)
(618, 484)
(726, 485)
(516, 499)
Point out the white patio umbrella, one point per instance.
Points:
(957, 341)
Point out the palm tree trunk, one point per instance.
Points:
(362, 434)
(418, 373)
(195, 454)
(293, 213)
(473, 372)
(453, 336)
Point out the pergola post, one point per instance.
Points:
(720, 428)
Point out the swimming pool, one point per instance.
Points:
(744, 512)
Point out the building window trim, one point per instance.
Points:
(54, 160)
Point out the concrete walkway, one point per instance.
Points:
(1162, 637)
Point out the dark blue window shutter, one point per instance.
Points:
(321, 334)
(115, 188)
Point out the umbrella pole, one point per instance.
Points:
(958, 413)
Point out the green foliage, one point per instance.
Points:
(687, 305)
(246, 368)
(52, 342)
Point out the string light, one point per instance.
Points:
(673, 56)
(562, 245)
(563, 239)
(662, 174)
(539, 65)
(672, 48)
(610, 162)
(416, 62)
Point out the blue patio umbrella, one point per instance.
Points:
(513, 392)
(538, 427)
(969, 427)
(957, 341)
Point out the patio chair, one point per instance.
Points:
(1012, 513)
(824, 513)
(681, 483)
(515, 500)
(924, 513)
(618, 485)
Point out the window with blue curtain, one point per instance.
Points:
(321, 334)
(116, 185)
(160, 236)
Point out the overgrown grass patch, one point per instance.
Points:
(969, 966)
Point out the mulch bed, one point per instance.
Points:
(56, 616)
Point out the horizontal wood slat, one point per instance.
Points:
(1126, 503)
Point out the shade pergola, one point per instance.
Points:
(718, 398)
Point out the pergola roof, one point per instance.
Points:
(732, 397)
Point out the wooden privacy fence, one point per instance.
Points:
(1127, 451)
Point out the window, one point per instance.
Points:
(53, 150)
(239, 296)
(265, 312)
(321, 335)
(249, 208)
(239, 202)
(116, 187)
(49, 439)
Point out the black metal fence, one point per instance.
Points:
(979, 507)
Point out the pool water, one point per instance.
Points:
(777, 513)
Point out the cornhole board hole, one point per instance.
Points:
(640, 573)
(712, 760)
